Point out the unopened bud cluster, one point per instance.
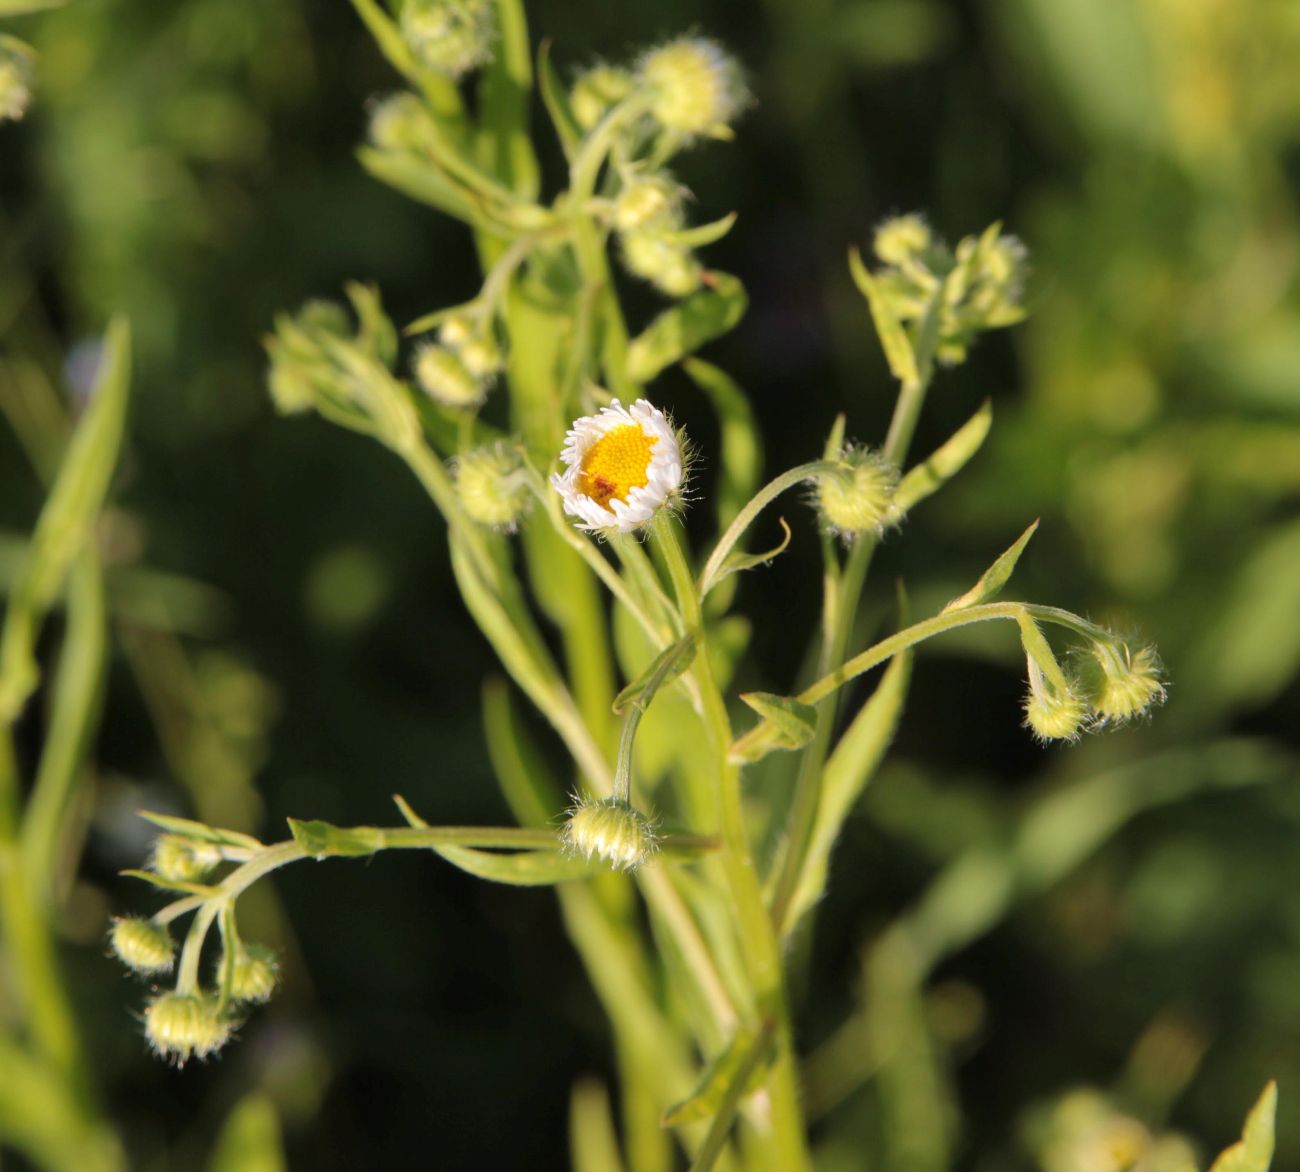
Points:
(180, 1026)
(694, 87)
(982, 280)
(611, 830)
(492, 485)
(450, 37)
(855, 498)
(17, 75)
(458, 370)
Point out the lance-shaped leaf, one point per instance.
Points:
(787, 724)
(995, 577)
(201, 889)
(1254, 1153)
(737, 561)
(200, 831)
(686, 326)
(518, 868)
(705, 1100)
(893, 337)
(705, 234)
(321, 840)
(420, 181)
(741, 461)
(666, 666)
(250, 1139)
(556, 101)
(946, 461)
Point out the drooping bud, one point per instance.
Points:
(180, 1026)
(450, 37)
(17, 75)
(669, 266)
(142, 945)
(1053, 713)
(255, 974)
(177, 857)
(856, 498)
(492, 486)
(611, 830)
(443, 377)
(695, 85)
(1121, 684)
(596, 91)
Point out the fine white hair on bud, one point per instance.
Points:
(1053, 713)
(1121, 683)
(646, 200)
(450, 37)
(611, 830)
(183, 859)
(855, 498)
(492, 485)
(624, 464)
(255, 974)
(902, 239)
(180, 1026)
(142, 945)
(695, 86)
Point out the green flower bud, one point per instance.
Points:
(1053, 714)
(902, 239)
(17, 76)
(450, 37)
(180, 1026)
(177, 857)
(856, 498)
(612, 831)
(456, 330)
(481, 356)
(1121, 684)
(142, 945)
(645, 201)
(255, 974)
(695, 85)
(667, 265)
(596, 91)
(443, 377)
(401, 122)
(492, 487)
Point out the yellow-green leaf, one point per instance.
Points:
(1254, 1152)
(250, 1140)
(686, 326)
(518, 868)
(322, 840)
(704, 1101)
(995, 577)
(945, 462)
(665, 667)
(893, 337)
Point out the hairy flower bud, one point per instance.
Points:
(449, 36)
(177, 857)
(855, 499)
(655, 257)
(611, 830)
(901, 239)
(695, 85)
(181, 1026)
(17, 75)
(492, 487)
(443, 377)
(142, 945)
(1121, 683)
(1051, 713)
(596, 91)
(645, 200)
(401, 122)
(255, 974)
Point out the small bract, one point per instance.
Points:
(624, 465)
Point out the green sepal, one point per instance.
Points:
(665, 667)
(787, 724)
(685, 327)
(518, 868)
(321, 840)
(995, 577)
(705, 1100)
(705, 234)
(945, 462)
(200, 889)
(737, 562)
(893, 337)
(200, 831)
(1254, 1152)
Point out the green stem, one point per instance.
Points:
(721, 1125)
(758, 940)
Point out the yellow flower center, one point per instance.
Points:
(616, 463)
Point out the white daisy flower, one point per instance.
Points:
(624, 464)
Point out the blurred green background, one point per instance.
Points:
(289, 641)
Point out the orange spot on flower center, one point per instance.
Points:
(616, 463)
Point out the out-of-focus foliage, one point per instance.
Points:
(1121, 917)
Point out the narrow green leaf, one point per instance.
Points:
(66, 521)
(686, 326)
(518, 868)
(322, 840)
(200, 831)
(421, 181)
(995, 577)
(1255, 1151)
(525, 777)
(593, 1140)
(893, 337)
(705, 234)
(943, 464)
(505, 84)
(852, 764)
(737, 562)
(556, 101)
(250, 1139)
(412, 818)
(704, 1101)
(665, 667)
(787, 724)
(740, 458)
(171, 884)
